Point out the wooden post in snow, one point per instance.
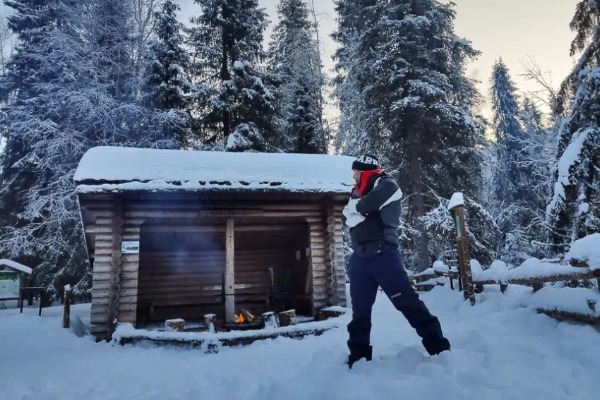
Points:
(457, 211)
(67, 307)
(229, 271)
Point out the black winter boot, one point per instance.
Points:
(435, 347)
(366, 353)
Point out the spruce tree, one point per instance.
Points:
(69, 85)
(232, 85)
(574, 209)
(516, 205)
(417, 103)
(356, 130)
(509, 178)
(166, 88)
(36, 193)
(295, 63)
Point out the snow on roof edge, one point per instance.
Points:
(103, 169)
(15, 265)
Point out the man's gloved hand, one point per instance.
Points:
(353, 217)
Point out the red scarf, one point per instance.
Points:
(364, 179)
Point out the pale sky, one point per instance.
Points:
(511, 29)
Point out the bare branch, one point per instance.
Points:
(547, 94)
(7, 44)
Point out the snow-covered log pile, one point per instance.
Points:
(212, 341)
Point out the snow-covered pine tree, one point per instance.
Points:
(574, 209)
(416, 100)
(540, 148)
(68, 95)
(516, 205)
(355, 130)
(109, 37)
(143, 15)
(295, 63)
(508, 178)
(37, 217)
(166, 88)
(231, 83)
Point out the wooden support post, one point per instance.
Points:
(457, 210)
(268, 320)
(42, 300)
(230, 271)
(67, 307)
(209, 321)
(287, 318)
(115, 279)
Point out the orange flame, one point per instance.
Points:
(240, 318)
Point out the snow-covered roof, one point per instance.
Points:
(15, 265)
(107, 169)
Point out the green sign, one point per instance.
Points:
(9, 285)
(8, 276)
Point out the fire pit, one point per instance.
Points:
(244, 320)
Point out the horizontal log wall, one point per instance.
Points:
(170, 279)
(115, 275)
(337, 256)
(320, 267)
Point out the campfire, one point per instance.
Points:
(244, 317)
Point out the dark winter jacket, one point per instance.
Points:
(374, 218)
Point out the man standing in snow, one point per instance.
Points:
(373, 215)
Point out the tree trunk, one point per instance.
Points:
(419, 205)
(225, 76)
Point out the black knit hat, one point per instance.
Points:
(366, 162)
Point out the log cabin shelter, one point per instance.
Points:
(182, 234)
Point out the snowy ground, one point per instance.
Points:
(501, 350)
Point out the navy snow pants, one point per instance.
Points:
(368, 271)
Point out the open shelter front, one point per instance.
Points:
(182, 234)
(183, 267)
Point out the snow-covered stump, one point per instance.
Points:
(209, 321)
(268, 320)
(287, 318)
(585, 253)
(175, 325)
(457, 210)
(330, 312)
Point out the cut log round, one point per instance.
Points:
(209, 321)
(268, 320)
(175, 324)
(328, 313)
(287, 318)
